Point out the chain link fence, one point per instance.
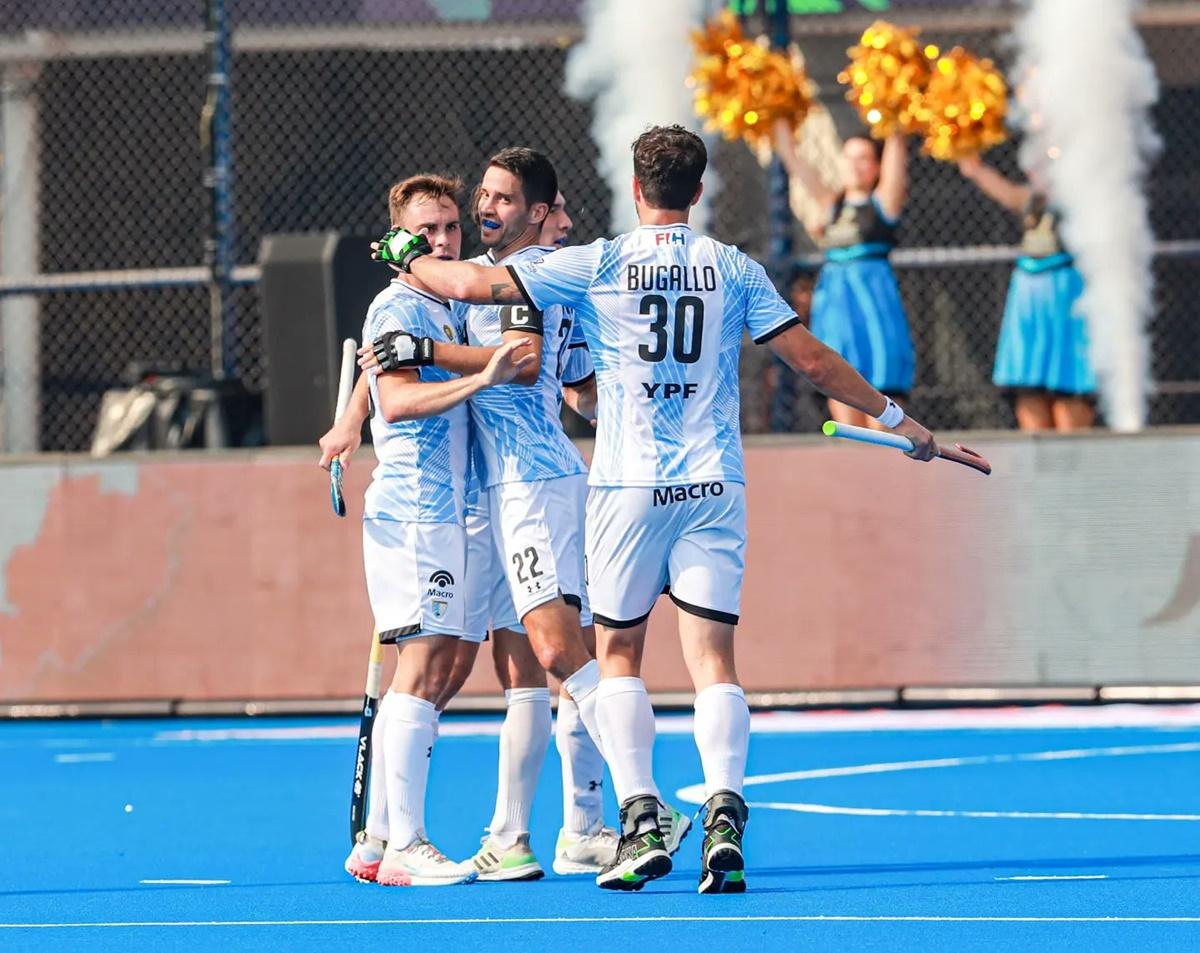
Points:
(333, 101)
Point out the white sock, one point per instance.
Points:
(627, 722)
(582, 770)
(377, 813)
(581, 686)
(722, 728)
(408, 740)
(524, 738)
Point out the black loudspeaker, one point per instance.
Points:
(314, 292)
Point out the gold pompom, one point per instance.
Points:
(962, 108)
(888, 69)
(743, 86)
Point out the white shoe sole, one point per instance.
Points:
(634, 875)
(404, 879)
(569, 868)
(531, 871)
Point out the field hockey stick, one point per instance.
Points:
(964, 455)
(366, 724)
(345, 389)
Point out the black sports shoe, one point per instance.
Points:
(722, 866)
(640, 857)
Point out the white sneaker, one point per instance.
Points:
(586, 853)
(365, 857)
(420, 864)
(495, 863)
(674, 826)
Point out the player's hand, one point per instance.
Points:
(924, 447)
(510, 359)
(400, 249)
(367, 359)
(398, 351)
(341, 440)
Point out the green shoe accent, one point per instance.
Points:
(735, 876)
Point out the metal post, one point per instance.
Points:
(19, 244)
(779, 204)
(218, 176)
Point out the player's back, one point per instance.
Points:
(422, 463)
(663, 310)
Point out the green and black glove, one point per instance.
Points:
(401, 248)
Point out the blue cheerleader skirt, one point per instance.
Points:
(1043, 341)
(856, 310)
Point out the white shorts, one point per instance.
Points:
(415, 574)
(641, 540)
(489, 603)
(538, 529)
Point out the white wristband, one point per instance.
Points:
(892, 415)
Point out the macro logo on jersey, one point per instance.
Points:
(440, 592)
(516, 426)
(422, 463)
(663, 311)
(666, 495)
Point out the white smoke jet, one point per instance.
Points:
(633, 61)
(1087, 88)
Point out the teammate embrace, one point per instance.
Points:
(662, 311)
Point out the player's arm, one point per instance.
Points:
(994, 185)
(345, 436)
(892, 190)
(459, 280)
(835, 378)
(404, 396)
(562, 277)
(399, 350)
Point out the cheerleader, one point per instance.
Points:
(856, 307)
(1042, 354)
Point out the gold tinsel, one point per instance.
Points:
(961, 110)
(742, 86)
(888, 69)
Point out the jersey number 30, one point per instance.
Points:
(685, 306)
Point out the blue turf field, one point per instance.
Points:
(268, 814)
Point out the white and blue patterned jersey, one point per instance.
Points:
(663, 311)
(517, 427)
(577, 368)
(421, 476)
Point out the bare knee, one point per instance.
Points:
(517, 665)
(619, 651)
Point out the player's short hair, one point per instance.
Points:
(669, 162)
(428, 184)
(539, 181)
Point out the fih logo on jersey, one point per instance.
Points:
(439, 588)
(670, 238)
(448, 331)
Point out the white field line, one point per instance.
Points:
(84, 757)
(1056, 877)
(694, 793)
(192, 883)
(1035, 718)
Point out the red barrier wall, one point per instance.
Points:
(226, 576)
